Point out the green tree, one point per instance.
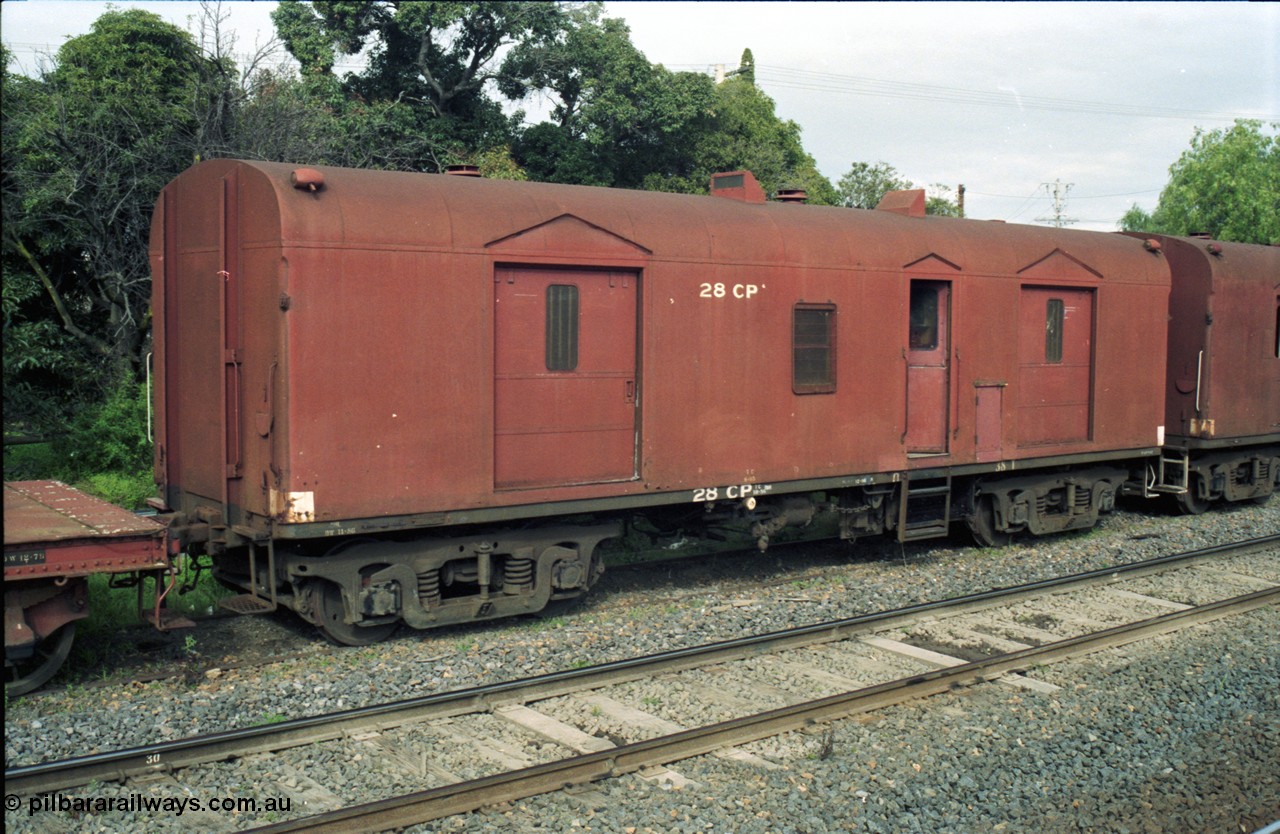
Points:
(428, 66)
(87, 146)
(312, 120)
(865, 185)
(1226, 185)
(616, 119)
(743, 131)
(939, 203)
(747, 67)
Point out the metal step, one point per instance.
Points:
(937, 518)
(246, 604)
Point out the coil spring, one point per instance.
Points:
(429, 586)
(1084, 497)
(517, 574)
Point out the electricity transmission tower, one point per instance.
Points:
(1058, 191)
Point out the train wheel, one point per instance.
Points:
(983, 524)
(329, 617)
(24, 675)
(1190, 501)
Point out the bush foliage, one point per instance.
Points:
(104, 451)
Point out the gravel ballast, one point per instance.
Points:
(1180, 734)
(1183, 738)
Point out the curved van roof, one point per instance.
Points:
(392, 209)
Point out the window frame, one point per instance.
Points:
(560, 352)
(1055, 318)
(807, 347)
(931, 291)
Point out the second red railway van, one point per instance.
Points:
(1222, 392)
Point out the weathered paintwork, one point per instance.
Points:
(1224, 361)
(51, 529)
(54, 537)
(336, 353)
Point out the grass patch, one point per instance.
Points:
(268, 718)
(111, 609)
(125, 489)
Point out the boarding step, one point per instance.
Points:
(925, 509)
(1169, 474)
(247, 604)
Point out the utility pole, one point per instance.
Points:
(1058, 191)
(960, 199)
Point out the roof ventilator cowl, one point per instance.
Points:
(737, 185)
(908, 203)
(307, 179)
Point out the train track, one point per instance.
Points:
(862, 664)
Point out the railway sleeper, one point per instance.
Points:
(359, 591)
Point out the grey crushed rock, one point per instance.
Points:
(1169, 740)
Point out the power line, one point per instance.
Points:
(1077, 197)
(827, 82)
(861, 85)
(1026, 203)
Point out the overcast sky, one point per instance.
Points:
(1002, 97)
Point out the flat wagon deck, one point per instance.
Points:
(55, 536)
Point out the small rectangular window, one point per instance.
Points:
(562, 327)
(924, 316)
(813, 340)
(1054, 311)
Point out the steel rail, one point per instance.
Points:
(424, 806)
(180, 753)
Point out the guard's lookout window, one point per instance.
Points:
(562, 327)
(1053, 318)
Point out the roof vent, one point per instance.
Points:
(737, 185)
(791, 194)
(908, 203)
(463, 170)
(307, 179)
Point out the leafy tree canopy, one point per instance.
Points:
(431, 61)
(616, 119)
(1226, 185)
(743, 131)
(865, 185)
(87, 146)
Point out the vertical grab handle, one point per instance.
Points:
(1199, 370)
(150, 435)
